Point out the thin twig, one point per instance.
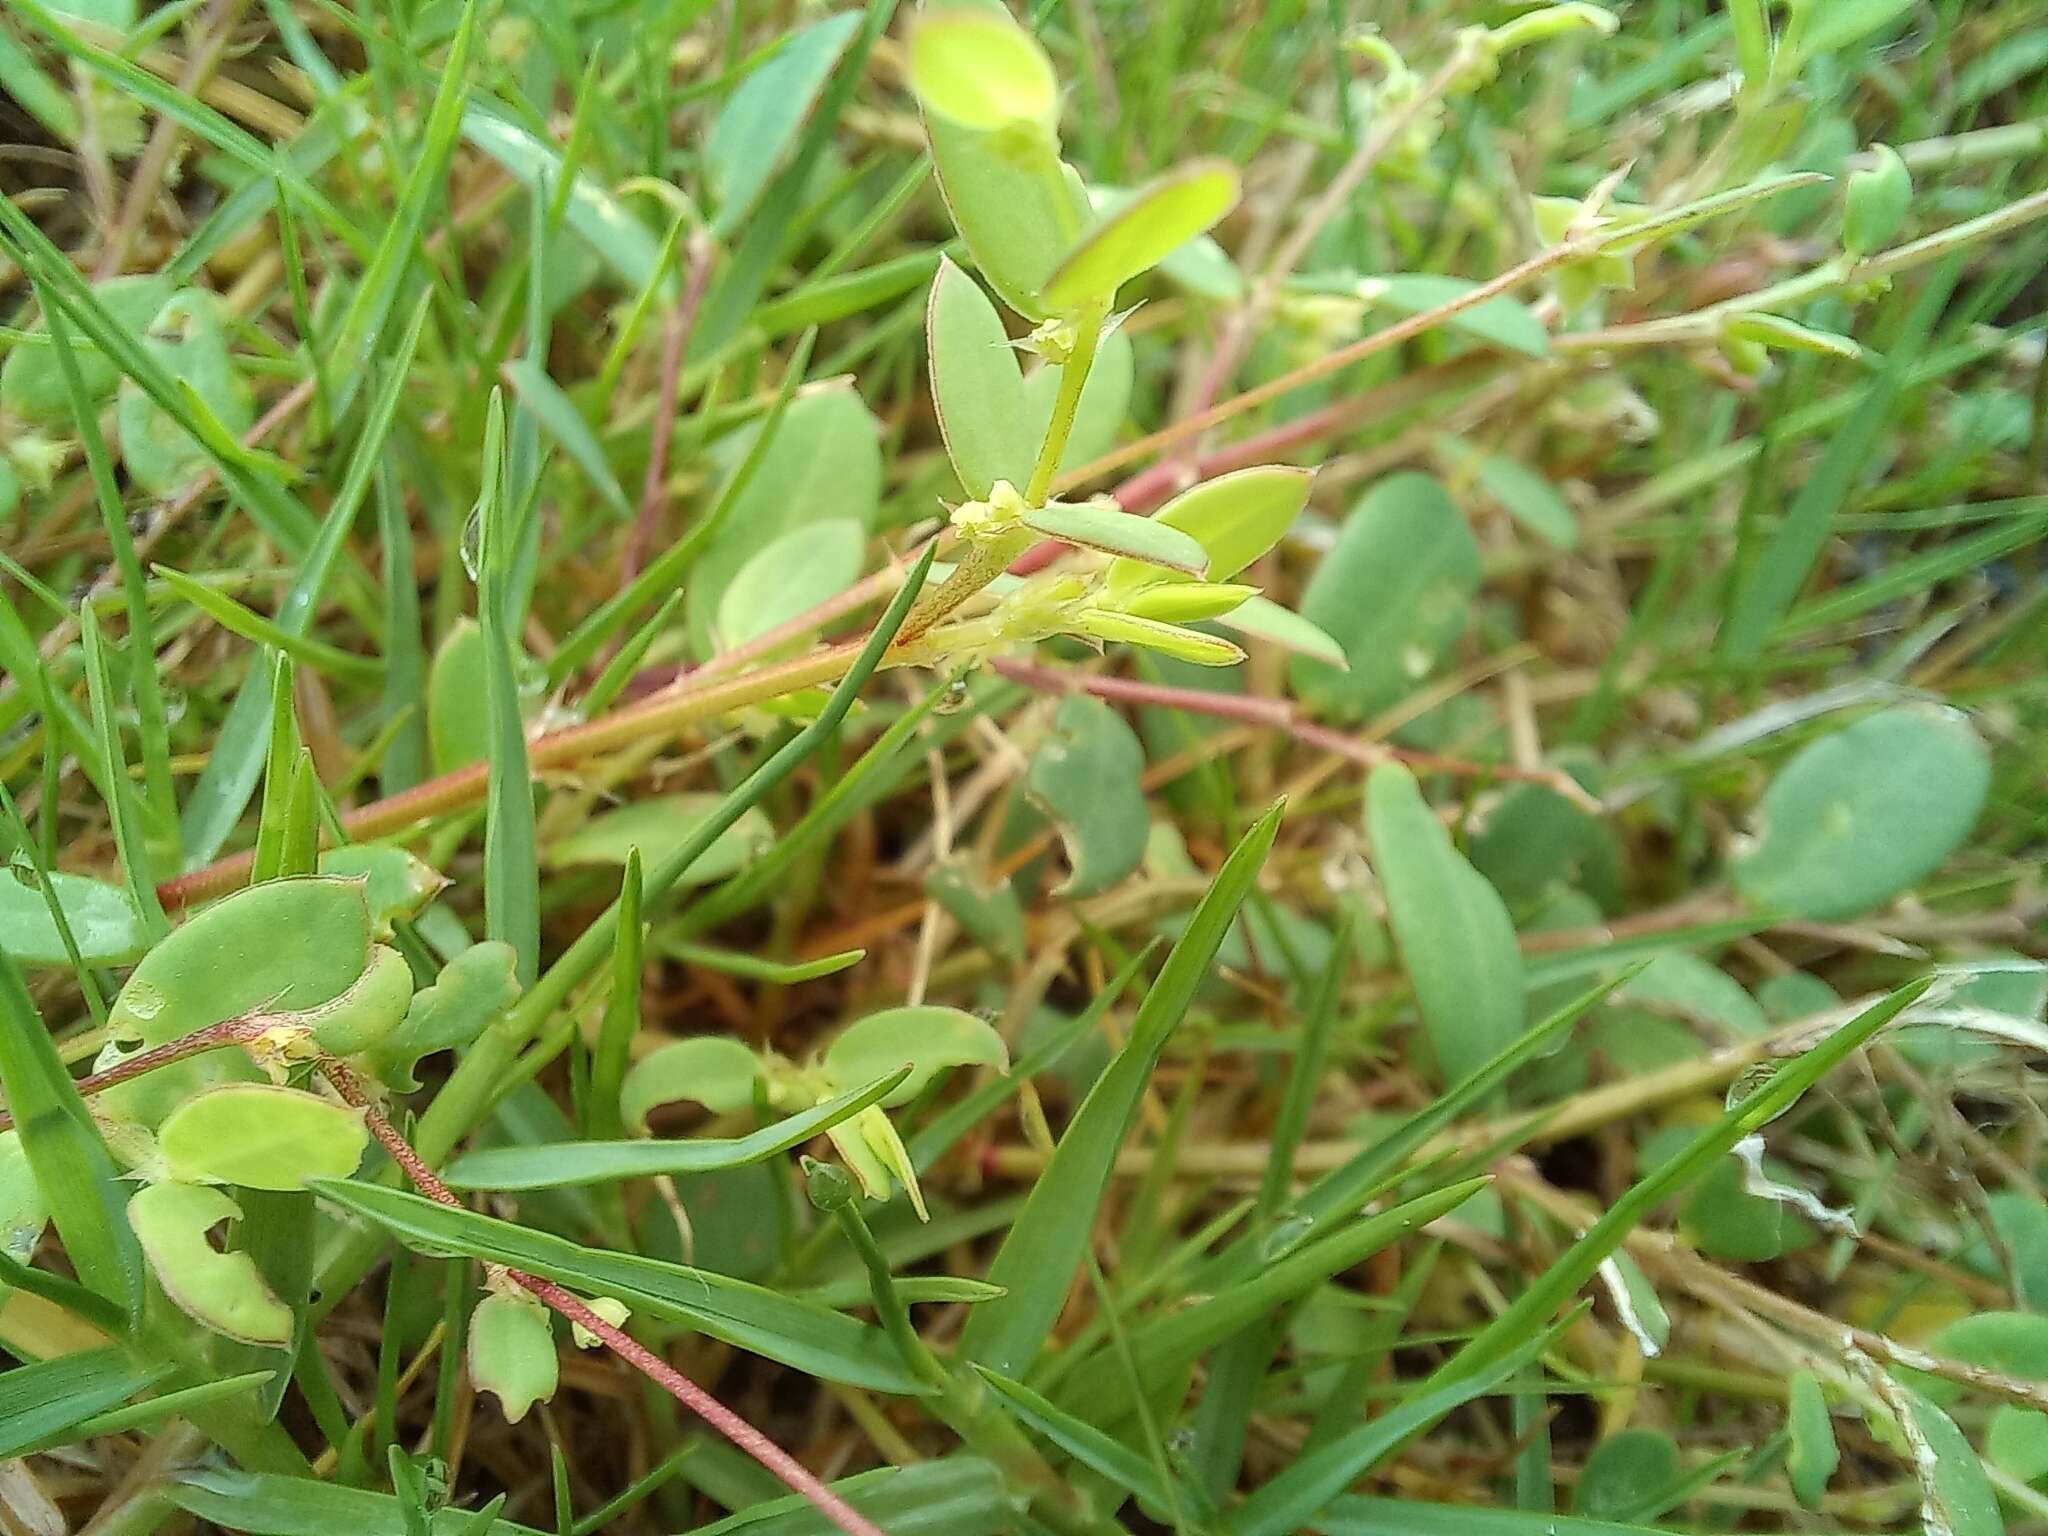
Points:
(675, 343)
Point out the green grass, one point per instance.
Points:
(1570, 1068)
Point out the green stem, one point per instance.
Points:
(1073, 377)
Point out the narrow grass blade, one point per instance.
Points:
(806, 1337)
(511, 858)
(955, 1496)
(51, 1398)
(1037, 1260)
(122, 808)
(1079, 1439)
(613, 1053)
(1548, 1291)
(266, 1504)
(72, 1165)
(255, 628)
(591, 1162)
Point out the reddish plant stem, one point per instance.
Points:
(240, 1030)
(675, 343)
(1280, 715)
(792, 1473)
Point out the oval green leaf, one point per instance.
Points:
(979, 68)
(1394, 592)
(977, 385)
(102, 920)
(1086, 777)
(711, 1070)
(789, 576)
(261, 1136)
(1861, 814)
(929, 1040)
(1107, 528)
(1235, 517)
(1138, 236)
(512, 1352)
(659, 828)
(1456, 941)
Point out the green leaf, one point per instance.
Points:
(397, 885)
(221, 1291)
(1351, 1516)
(1204, 650)
(1394, 592)
(511, 1352)
(1112, 531)
(991, 915)
(1263, 619)
(1235, 517)
(977, 386)
(1457, 942)
(1530, 500)
(262, 1136)
(756, 131)
(952, 1496)
(1625, 1475)
(1160, 218)
(186, 339)
(1081, 1440)
(1017, 218)
(1960, 1498)
(927, 1039)
(1499, 321)
(821, 462)
(553, 1165)
(553, 408)
(46, 1398)
(72, 1166)
(270, 1504)
(979, 68)
(1814, 1454)
(250, 625)
(102, 920)
(31, 383)
(1087, 776)
(801, 1335)
(1861, 814)
(472, 992)
(711, 1070)
(1043, 1248)
(367, 1012)
(1187, 602)
(658, 828)
(458, 706)
(788, 576)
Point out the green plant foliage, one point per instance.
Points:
(757, 129)
(928, 1040)
(103, 924)
(1406, 543)
(1919, 775)
(1085, 777)
(223, 1292)
(512, 1352)
(1814, 1455)
(261, 1136)
(1156, 221)
(658, 828)
(1456, 942)
(977, 385)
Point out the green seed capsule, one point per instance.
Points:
(1878, 200)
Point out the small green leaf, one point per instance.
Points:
(1017, 217)
(1263, 619)
(31, 387)
(660, 827)
(977, 386)
(928, 1039)
(396, 883)
(1456, 941)
(711, 1070)
(1500, 321)
(221, 1291)
(1235, 517)
(368, 1011)
(788, 576)
(1185, 644)
(1188, 602)
(1159, 219)
(1107, 528)
(458, 706)
(1626, 1473)
(1861, 814)
(757, 129)
(472, 991)
(1394, 591)
(1875, 207)
(102, 921)
(512, 1352)
(1814, 1454)
(980, 69)
(188, 342)
(1960, 1498)
(261, 1136)
(1530, 499)
(1780, 334)
(1086, 777)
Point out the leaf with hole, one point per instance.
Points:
(711, 1070)
(472, 992)
(1086, 777)
(511, 1352)
(221, 1291)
